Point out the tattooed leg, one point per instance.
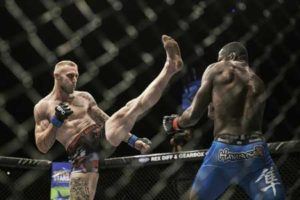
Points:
(79, 187)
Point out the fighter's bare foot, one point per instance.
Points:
(173, 53)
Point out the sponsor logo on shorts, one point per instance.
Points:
(226, 155)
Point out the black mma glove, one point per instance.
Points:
(170, 124)
(133, 138)
(181, 138)
(62, 112)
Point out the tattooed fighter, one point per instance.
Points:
(73, 118)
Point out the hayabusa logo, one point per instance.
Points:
(226, 155)
(270, 178)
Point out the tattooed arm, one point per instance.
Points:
(45, 132)
(100, 117)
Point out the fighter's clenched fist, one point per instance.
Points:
(62, 112)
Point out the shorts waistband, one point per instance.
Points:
(91, 129)
(239, 139)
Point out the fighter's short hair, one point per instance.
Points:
(238, 48)
(63, 63)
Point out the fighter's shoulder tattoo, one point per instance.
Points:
(86, 96)
(98, 115)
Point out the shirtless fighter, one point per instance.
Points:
(74, 119)
(239, 153)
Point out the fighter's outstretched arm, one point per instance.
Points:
(199, 104)
(123, 120)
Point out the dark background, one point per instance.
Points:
(117, 46)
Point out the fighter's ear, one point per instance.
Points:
(56, 76)
(232, 56)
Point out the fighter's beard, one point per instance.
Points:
(68, 89)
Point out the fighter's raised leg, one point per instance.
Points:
(122, 121)
(154, 91)
(173, 53)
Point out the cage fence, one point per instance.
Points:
(117, 45)
(161, 176)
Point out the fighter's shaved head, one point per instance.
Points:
(236, 48)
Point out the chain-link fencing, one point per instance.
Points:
(165, 176)
(116, 44)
